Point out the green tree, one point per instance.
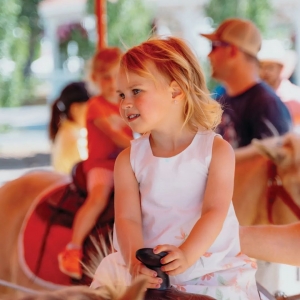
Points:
(19, 44)
(8, 20)
(259, 11)
(29, 20)
(128, 21)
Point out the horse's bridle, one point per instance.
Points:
(275, 189)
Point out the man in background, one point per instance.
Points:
(276, 67)
(251, 107)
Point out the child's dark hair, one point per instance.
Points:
(74, 92)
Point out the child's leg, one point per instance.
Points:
(100, 184)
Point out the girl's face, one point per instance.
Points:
(106, 81)
(145, 103)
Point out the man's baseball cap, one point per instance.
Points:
(238, 32)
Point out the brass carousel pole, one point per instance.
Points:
(100, 12)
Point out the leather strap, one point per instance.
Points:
(276, 190)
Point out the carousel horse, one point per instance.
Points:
(136, 291)
(267, 186)
(18, 198)
(38, 209)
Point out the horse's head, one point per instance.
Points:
(284, 152)
(135, 291)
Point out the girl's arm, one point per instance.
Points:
(217, 198)
(274, 243)
(128, 219)
(114, 129)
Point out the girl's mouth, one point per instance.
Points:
(132, 117)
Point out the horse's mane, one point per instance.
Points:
(136, 292)
(108, 292)
(102, 249)
(73, 293)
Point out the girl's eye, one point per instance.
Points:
(122, 96)
(136, 91)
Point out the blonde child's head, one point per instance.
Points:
(105, 58)
(175, 61)
(104, 69)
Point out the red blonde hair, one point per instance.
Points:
(174, 59)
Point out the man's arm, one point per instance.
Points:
(246, 153)
(274, 243)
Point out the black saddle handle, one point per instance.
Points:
(152, 261)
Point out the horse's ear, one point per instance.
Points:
(267, 147)
(136, 291)
(283, 151)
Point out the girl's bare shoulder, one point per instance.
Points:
(222, 148)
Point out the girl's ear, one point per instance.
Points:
(177, 93)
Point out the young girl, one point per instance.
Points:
(67, 130)
(173, 186)
(108, 134)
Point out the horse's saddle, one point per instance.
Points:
(61, 204)
(49, 228)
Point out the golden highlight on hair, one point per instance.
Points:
(175, 60)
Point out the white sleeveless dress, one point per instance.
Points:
(172, 192)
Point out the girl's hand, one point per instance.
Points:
(175, 262)
(138, 269)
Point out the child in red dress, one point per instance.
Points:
(108, 134)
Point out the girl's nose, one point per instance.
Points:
(126, 104)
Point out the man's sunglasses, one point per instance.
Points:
(217, 44)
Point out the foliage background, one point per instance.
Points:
(259, 11)
(21, 31)
(129, 22)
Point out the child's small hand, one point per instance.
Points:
(116, 122)
(175, 262)
(139, 269)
